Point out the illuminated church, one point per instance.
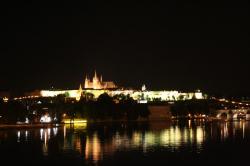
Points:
(97, 83)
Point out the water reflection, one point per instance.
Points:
(96, 142)
(22, 134)
(93, 148)
(174, 138)
(18, 136)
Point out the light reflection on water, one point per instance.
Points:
(97, 142)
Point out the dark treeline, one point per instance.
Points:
(105, 107)
(119, 107)
(11, 111)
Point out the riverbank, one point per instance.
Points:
(24, 126)
(49, 125)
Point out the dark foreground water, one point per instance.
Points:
(158, 143)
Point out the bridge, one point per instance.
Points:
(234, 114)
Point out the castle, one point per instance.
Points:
(97, 83)
(97, 86)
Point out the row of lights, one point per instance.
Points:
(233, 102)
(26, 97)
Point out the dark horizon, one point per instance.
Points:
(175, 45)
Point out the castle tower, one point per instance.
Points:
(80, 89)
(79, 93)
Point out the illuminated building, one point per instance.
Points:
(98, 87)
(45, 119)
(135, 94)
(97, 83)
(5, 96)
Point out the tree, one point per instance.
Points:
(181, 97)
(14, 111)
(89, 96)
(105, 105)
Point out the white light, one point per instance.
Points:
(45, 119)
(26, 135)
(143, 101)
(18, 136)
(41, 134)
(55, 130)
(26, 120)
(5, 99)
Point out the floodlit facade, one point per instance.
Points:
(135, 94)
(98, 87)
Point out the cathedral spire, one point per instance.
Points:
(86, 83)
(95, 74)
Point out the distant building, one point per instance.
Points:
(140, 96)
(97, 86)
(97, 83)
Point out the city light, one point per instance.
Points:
(45, 119)
(135, 94)
(5, 99)
(74, 121)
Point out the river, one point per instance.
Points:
(178, 142)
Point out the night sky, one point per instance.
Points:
(182, 45)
